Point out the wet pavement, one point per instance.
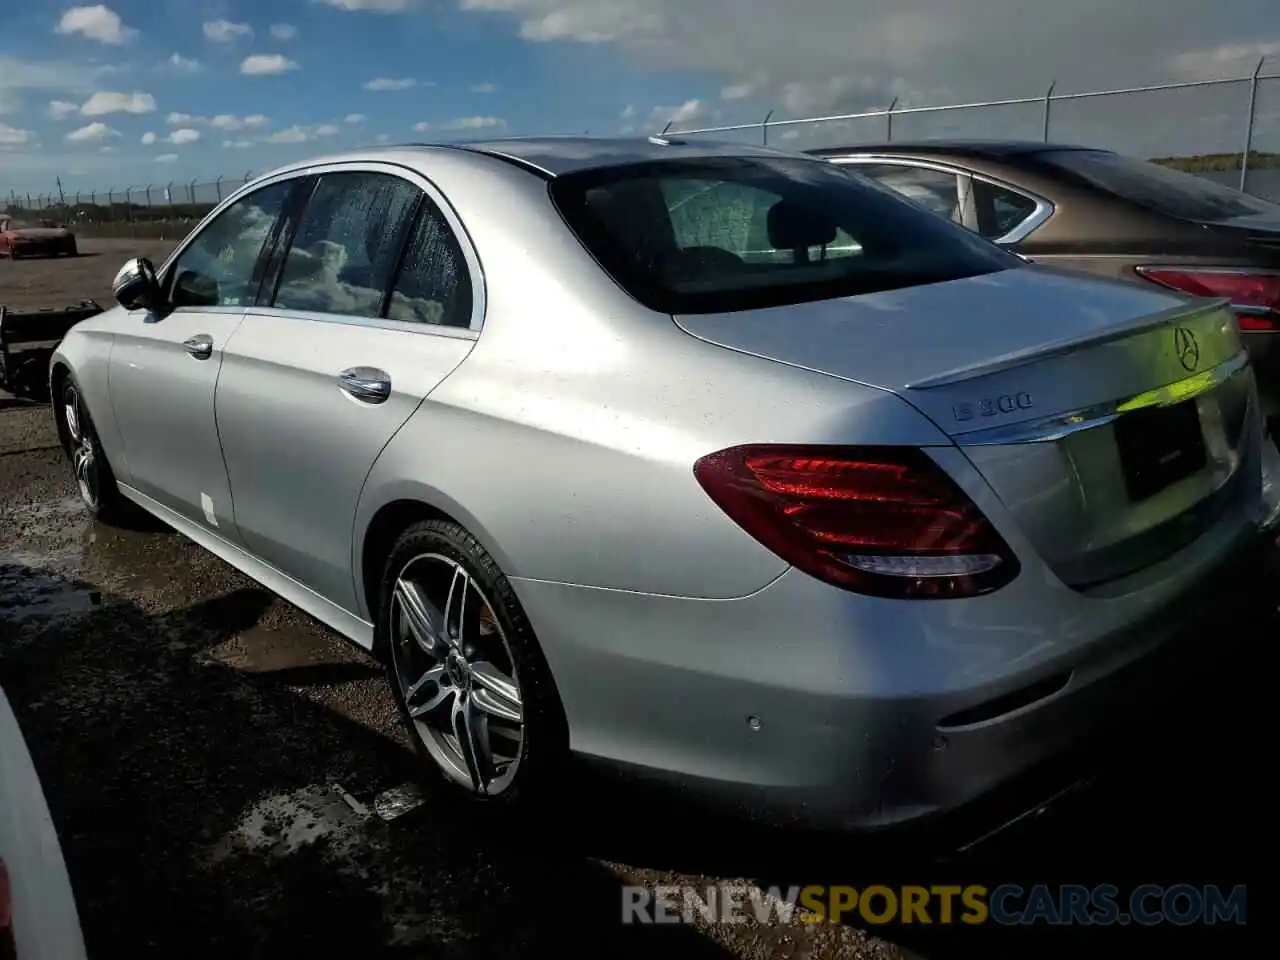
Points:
(230, 779)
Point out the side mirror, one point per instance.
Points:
(136, 286)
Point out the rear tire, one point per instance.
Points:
(95, 482)
(473, 687)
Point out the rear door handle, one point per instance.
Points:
(200, 346)
(366, 384)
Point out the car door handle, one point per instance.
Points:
(366, 384)
(200, 346)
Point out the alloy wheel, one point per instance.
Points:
(456, 674)
(83, 457)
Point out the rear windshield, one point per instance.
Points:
(726, 234)
(1170, 192)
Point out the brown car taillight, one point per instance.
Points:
(1254, 294)
(885, 521)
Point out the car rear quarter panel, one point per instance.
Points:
(566, 440)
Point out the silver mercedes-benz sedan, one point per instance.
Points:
(717, 463)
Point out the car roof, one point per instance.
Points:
(986, 149)
(557, 156)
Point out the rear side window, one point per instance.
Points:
(1170, 192)
(935, 190)
(727, 234)
(434, 284)
(346, 244)
(1000, 211)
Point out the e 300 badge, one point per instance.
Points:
(993, 406)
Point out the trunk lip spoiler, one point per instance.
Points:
(1058, 426)
(1057, 348)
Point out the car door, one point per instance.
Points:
(165, 364)
(939, 189)
(376, 298)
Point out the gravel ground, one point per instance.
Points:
(197, 739)
(58, 282)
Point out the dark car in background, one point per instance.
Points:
(1102, 212)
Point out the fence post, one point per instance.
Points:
(217, 188)
(1048, 106)
(888, 120)
(764, 129)
(1248, 130)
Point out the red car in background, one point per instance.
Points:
(46, 240)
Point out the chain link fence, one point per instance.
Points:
(150, 211)
(1226, 129)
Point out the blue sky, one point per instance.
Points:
(136, 91)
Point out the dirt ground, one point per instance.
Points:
(224, 774)
(59, 282)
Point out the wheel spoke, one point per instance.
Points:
(495, 693)
(73, 418)
(417, 616)
(442, 692)
(465, 730)
(455, 609)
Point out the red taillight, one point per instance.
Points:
(1254, 294)
(885, 521)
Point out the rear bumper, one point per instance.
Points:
(806, 707)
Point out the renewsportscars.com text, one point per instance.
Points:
(1007, 904)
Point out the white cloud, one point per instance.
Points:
(266, 64)
(477, 123)
(61, 109)
(182, 119)
(236, 144)
(485, 88)
(92, 132)
(354, 118)
(224, 31)
(388, 83)
(226, 121)
(628, 112)
(372, 6)
(98, 22)
(19, 78)
(185, 135)
(682, 115)
(256, 120)
(328, 130)
(167, 158)
(1224, 60)
(382, 138)
(284, 31)
(422, 126)
(180, 64)
(148, 138)
(13, 137)
(294, 134)
(104, 102)
(106, 149)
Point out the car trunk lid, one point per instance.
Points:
(1110, 418)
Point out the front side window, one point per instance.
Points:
(217, 267)
(347, 243)
(434, 284)
(725, 234)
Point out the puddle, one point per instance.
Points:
(28, 594)
(283, 824)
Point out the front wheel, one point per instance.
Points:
(94, 480)
(472, 685)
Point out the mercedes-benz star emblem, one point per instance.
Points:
(1186, 347)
